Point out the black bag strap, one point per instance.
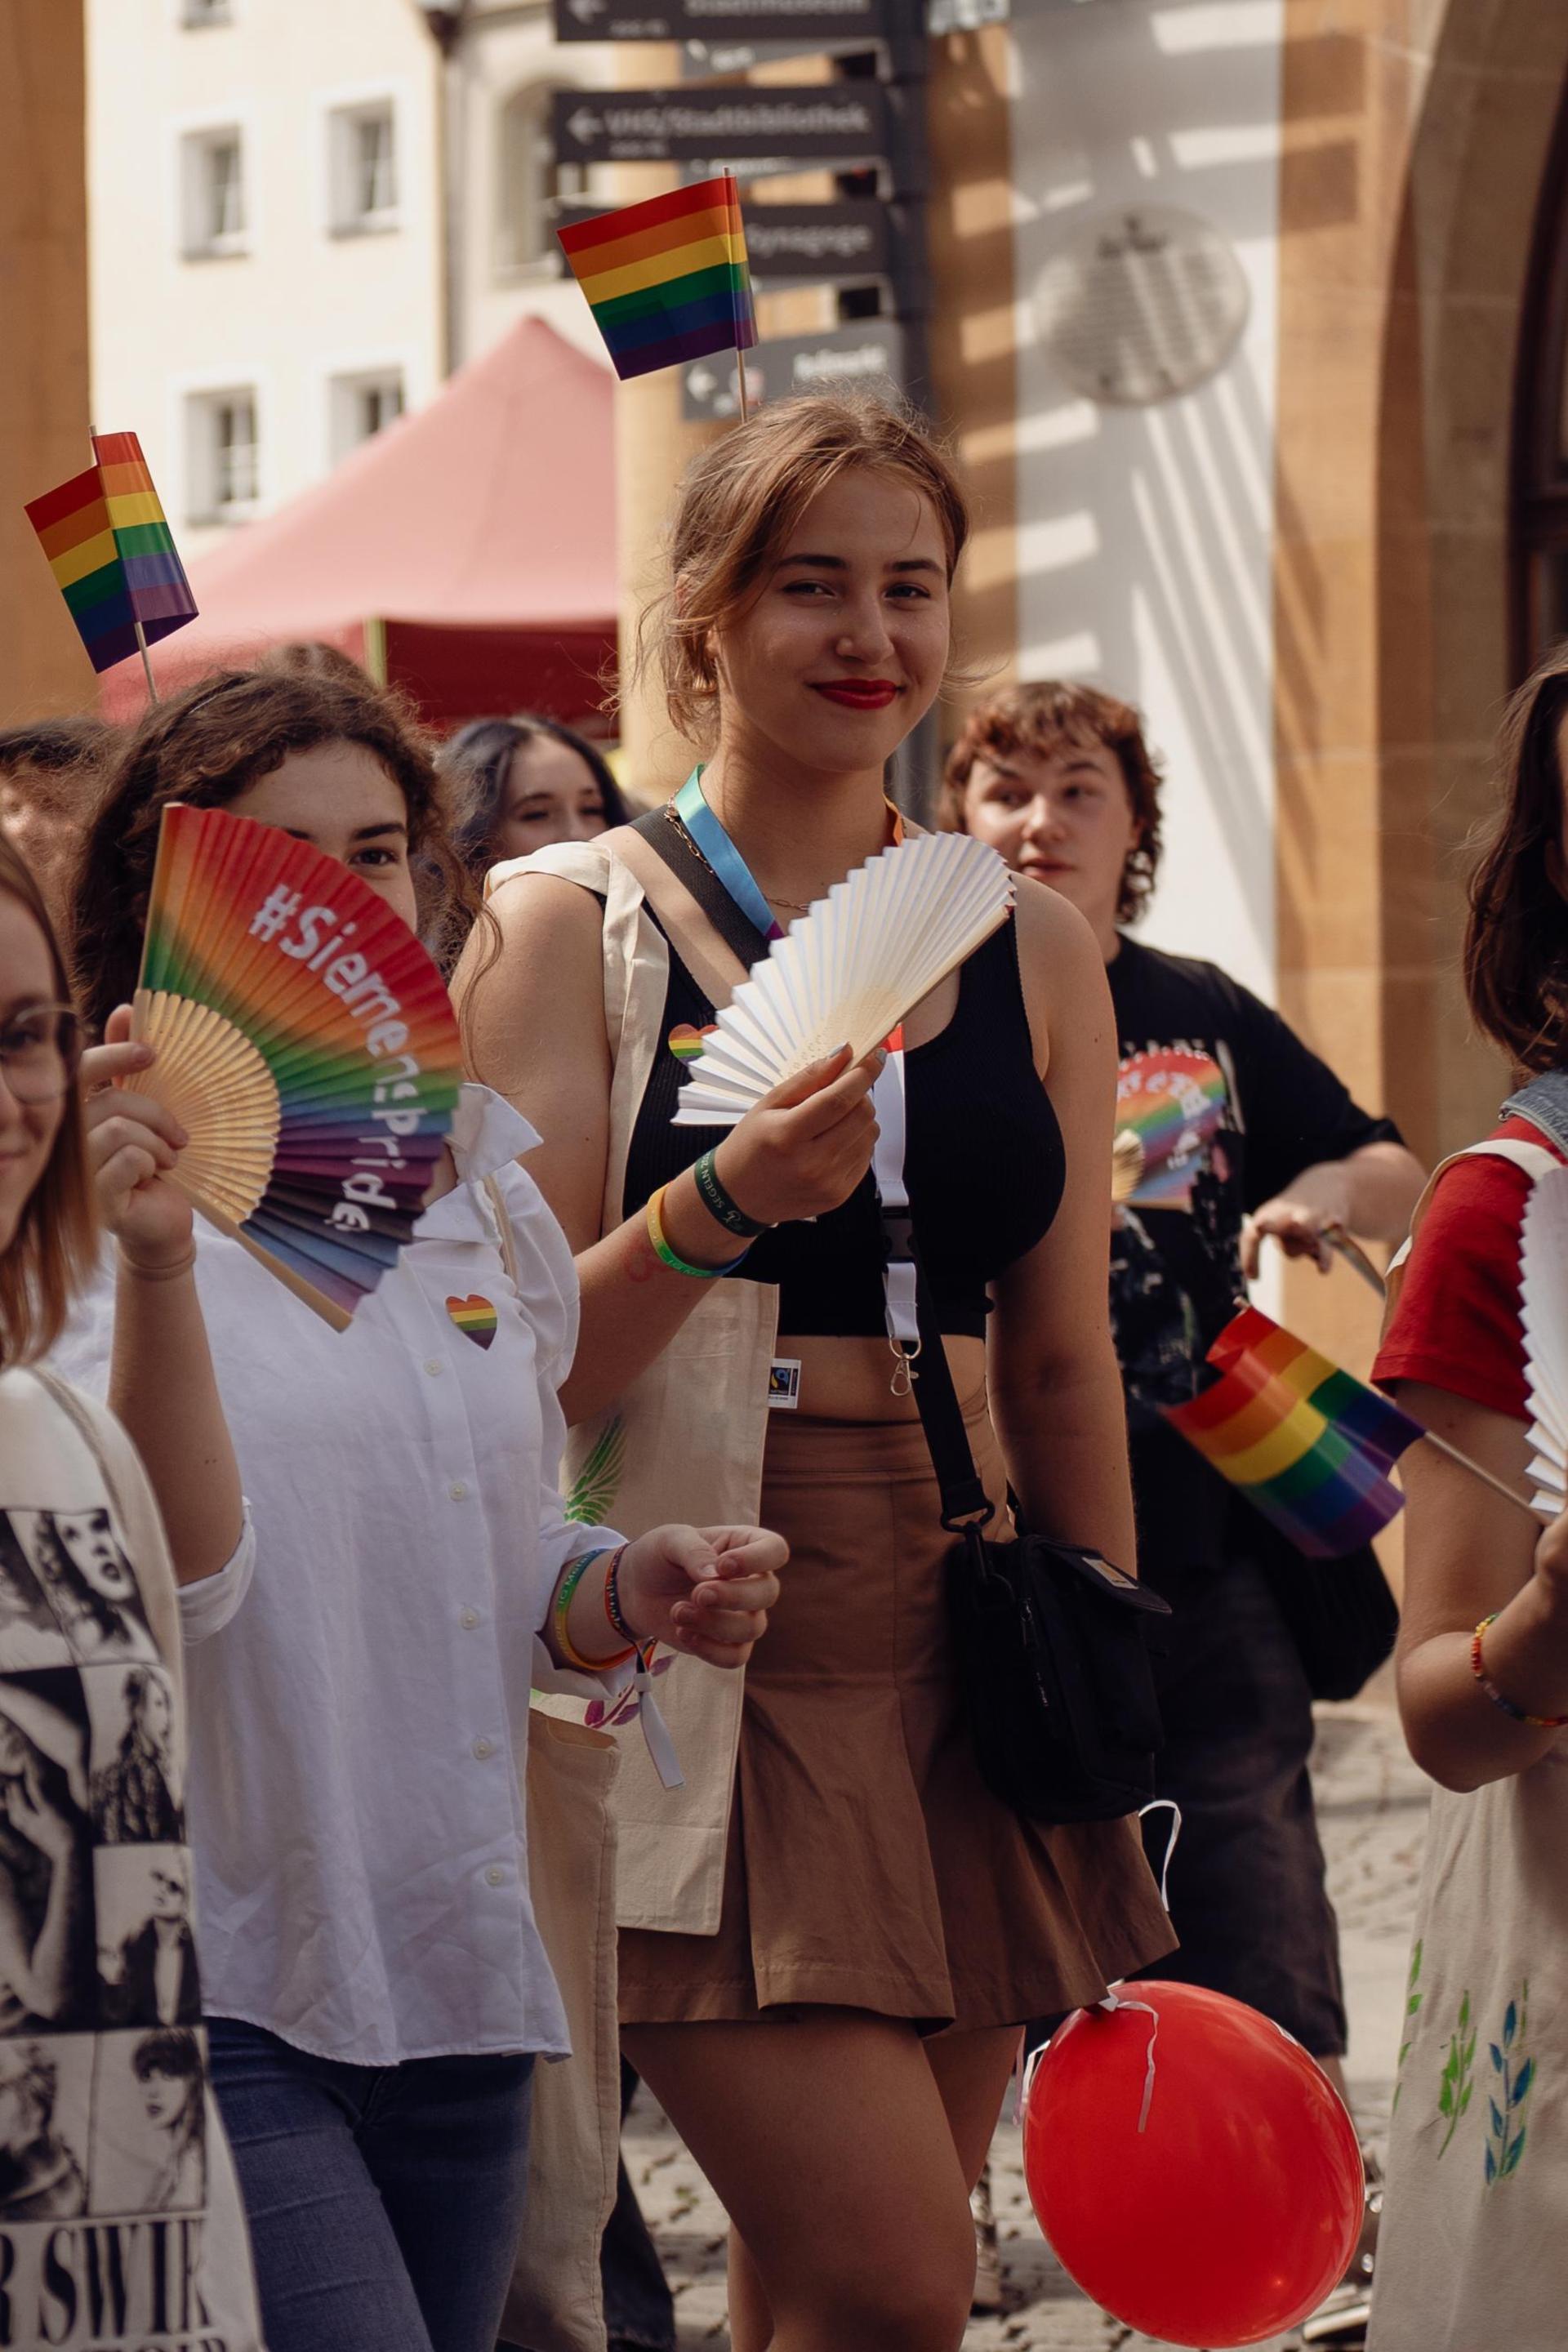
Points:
(964, 1501)
(697, 879)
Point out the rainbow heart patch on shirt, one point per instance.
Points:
(475, 1318)
(686, 1043)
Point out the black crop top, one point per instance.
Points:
(983, 1163)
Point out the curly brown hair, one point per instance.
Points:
(1051, 718)
(1516, 941)
(740, 502)
(205, 747)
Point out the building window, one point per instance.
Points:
(361, 404)
(528, 181)
(363, 168)
(221, 455)
(213, 189)
(194, 12)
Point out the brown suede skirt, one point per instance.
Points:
(867, 1865)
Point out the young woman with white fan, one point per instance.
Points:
(68, 1473)
(375, 1986)
(823, 1980)
(1476, 1346)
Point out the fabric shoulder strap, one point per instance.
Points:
(1535, 1159)
(582, 862)
(713, 963)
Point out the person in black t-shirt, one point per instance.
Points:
(1229, 1130)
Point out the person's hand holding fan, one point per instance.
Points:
(306, 1048)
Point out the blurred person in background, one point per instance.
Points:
(50, 772)
(1059, 779)
(518, 784)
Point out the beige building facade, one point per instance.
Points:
(265, 238)
(43, 340)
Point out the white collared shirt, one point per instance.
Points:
(359, 1829)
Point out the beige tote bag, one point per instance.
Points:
(556, 2303)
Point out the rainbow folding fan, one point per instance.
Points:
(307, 1044)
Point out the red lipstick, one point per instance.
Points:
(858, 693)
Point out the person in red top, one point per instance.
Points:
(1473, 2251)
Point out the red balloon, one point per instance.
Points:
(1236, 2209)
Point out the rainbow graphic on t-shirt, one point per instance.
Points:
(1174, 1102)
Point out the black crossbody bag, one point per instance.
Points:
(1051, 1639)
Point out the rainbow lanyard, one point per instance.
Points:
(887, 1095)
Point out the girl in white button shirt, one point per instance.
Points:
(375, 1987)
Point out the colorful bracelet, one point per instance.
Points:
(666, 1256)
(612, 1609)
(721, 1203)
(570, 1654)
(1516, 1714)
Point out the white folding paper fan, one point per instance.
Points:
(848, 971)
(1544, 1311)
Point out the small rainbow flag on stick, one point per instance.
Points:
(1308, 1445)
(113, 555)
(668, 280)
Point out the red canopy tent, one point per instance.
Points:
(466, 553)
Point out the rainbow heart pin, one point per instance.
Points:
(686, 1043)
(475, 1318)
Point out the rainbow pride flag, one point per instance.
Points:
(668, 280)
(112, 553)
(1309, 1446)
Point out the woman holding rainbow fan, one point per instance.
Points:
(375, 1987)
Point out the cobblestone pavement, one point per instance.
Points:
(1371, 1807)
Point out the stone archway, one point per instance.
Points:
(1479, 159)
(1417, 135)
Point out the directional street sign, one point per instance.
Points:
(870, 351)
(847, 121)
(818, 244)
(802, 245)
(798, 22)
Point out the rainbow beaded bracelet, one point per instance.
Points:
(1498, 1698)
(570, 1654)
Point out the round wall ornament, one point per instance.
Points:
(1142, 305)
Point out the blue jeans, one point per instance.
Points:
(385, 2203)
(639, 2309)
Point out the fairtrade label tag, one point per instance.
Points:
(784, 1384)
